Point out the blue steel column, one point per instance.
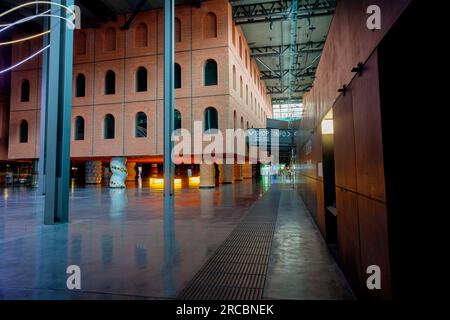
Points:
(169, 10)
(58, 114)
(44, 95)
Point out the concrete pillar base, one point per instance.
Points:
(207, 179)
(227, 173)
(247, 171)
(238, 172)
(93, 173)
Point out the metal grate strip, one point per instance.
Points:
(238, 268)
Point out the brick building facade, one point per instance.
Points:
(118, 74)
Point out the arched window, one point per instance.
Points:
(177, 72)
(210, 26)
(246, 59)
(110, 39)
(251, 100)
(210, 73)
(109, 127)
(241, 88)
(141, 125)
(240, 47)
(211, 119)
(247, 125)
(246, 94)
(25, 91)
(81, 44)
(79, 128)
(234, 77)
(141, 35)
(23, 134)
(242, 122)
(110, 82)
(233, 34)
(141, 79)
(177, 118)
(177, 30)
(234, 120)
(80, 85)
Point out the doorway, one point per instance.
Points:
(329, 189)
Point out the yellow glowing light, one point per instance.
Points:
(327, 126)
(194, 181)
(159, 182)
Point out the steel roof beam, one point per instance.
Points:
(280, 10)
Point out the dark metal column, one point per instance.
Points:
(58, 116)
(169, 10)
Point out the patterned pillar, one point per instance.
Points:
(93, 173)
(119, 172)
(227, 173)
(131, 169)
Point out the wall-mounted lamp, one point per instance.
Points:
(327, 126)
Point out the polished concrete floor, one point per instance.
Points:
(128, 249)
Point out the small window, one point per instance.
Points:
(211, 119)
(210, 26)
(79, 128)
(177, 119)
(141, 125)
(177, 30)
(110, 39)
(80, 86)
(81, 44)
(233, 34)
(110, 82)
(23, 134)
(141, 79)
(177, 74)
(210, 73)
(246, 94)
(234, 77)
(240, 47)
(241, 87)
(25, 91)
(141, 35)
(109, 127)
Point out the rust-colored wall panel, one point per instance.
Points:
(344, 143)
(348, 236)
(374, 243)
(368, 139)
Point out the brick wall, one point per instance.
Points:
(93, 60)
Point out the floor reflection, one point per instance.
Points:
(127, 242)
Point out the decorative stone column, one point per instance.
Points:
(93, 173)
(207, 179)
(227, 173)
(247, 171)
(131, 169)
(237, 172)
(119, 172)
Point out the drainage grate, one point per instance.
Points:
(238, 268)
